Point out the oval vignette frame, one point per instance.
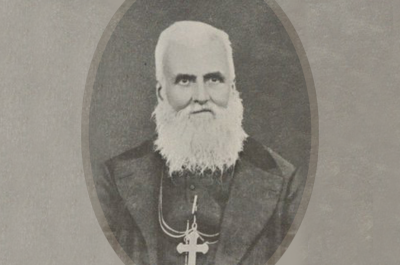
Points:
(85, 129)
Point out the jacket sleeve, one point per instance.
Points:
(118, 226)
(278, 229)
(269, 243)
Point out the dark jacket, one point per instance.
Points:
(263, 201)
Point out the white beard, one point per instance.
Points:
(200, 141)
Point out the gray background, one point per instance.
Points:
(46, 49)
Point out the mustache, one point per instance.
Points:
(197, 109)
(202, 110)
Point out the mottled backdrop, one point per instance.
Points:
(268, 76)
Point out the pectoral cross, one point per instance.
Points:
(191, 247)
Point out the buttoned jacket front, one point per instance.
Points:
(263, 200)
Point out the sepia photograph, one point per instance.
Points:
(182, 132)
(200, 134)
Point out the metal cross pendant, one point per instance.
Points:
(191, 247)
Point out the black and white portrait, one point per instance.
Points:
(199, 133)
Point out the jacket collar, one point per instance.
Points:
(253, 198)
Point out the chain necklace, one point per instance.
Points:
(191, 236)
(211, 238)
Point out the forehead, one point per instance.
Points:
(196, 59)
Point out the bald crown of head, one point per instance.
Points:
(191, 34)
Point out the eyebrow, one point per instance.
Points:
(180, 77)
(217, 75)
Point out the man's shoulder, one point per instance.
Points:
(265, 158)
(254, 152)
(143, 149)
(140, 157)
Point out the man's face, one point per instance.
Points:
(197, 75)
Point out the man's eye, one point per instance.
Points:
(214, 80)
(184, 82)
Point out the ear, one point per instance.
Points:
(158, 91)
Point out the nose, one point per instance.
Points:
(201, 95)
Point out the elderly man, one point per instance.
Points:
(201, 191)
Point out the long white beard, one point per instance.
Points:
(200, 141)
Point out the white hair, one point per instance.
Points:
(190, 33)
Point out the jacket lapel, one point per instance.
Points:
(139, 188)
(253, 198)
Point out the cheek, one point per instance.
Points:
(220, 95)
(178, 98)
